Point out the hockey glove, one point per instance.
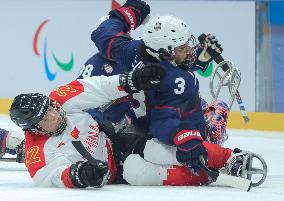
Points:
(107, 127)
(20, 151)
(132, 13)
(211, 45)
(190, 149)
(147, 77)
(85, 174)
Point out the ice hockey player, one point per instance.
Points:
(128, 108)
(12, 142)
(173, 110)
(52, 123)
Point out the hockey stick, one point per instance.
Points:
(8, 159)
(218, 59)
(228, 180)
(100, 164)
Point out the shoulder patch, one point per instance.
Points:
(66, 92)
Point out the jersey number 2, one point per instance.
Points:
(180, 85)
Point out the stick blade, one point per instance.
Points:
(236, 182)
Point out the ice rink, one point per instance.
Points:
(16, 184)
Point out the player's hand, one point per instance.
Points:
(20, 151)
(190, 149)
(147, 77)
(132, 13)
(189, 153)
(210, 47)
(85, 174)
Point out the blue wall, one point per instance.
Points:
(276, 14)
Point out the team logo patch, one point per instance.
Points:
(157, 26)
(108, 68)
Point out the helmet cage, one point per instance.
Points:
(62, 126)
(188, 63)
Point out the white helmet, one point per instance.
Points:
(165, 33)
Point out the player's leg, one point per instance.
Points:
(159, 153)
(12, 142)
(138, 171)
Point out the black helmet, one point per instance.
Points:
(27, 110)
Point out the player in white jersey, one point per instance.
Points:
(52, 123)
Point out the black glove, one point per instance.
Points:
(20, 151)
(107, 127)
(147, 77)
(190, 149)
(84, 174)
(132, 13)
(189, 154)
(204, 52)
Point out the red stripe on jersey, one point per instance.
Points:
(66, 92)
(35, 159)
(65, 178)
(110, 44)
(182, 176)
(111, 162)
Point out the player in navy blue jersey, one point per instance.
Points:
(174, 110)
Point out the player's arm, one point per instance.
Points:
(51, 168)
(112, 38)
(93, 92)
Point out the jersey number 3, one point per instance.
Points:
(180, 85)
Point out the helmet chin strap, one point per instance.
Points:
(161, 55)
(186, 65)
(165, 55)
(153, 53)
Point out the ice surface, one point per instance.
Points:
(16, 184)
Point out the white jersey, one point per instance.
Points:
(48, 159)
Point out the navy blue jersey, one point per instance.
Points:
(176, 104)
(98, 65)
